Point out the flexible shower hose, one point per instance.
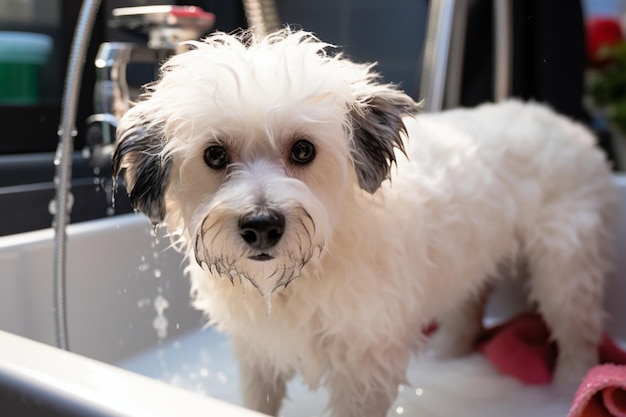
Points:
(63, 161)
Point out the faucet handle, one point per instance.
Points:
(167, 26)
(100, 139)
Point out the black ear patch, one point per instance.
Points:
(139, 152)
(377, 130)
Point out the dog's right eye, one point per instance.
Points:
(302, 152)
(216, 157)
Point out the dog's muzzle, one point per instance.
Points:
(262, 231)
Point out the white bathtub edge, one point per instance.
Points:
(105, 389)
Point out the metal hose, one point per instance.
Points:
(63, 160)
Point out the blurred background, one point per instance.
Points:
(566, 53)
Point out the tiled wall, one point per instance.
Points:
(389, 32)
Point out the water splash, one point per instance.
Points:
(222, 378)
(144, 302)
(160, 322)
(154, 232)
(52, 205)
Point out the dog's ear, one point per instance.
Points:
(377, 129)
(139, 153)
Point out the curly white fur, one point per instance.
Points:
(372, 251)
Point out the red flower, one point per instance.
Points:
(602, 33)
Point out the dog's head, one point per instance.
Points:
(248, 149)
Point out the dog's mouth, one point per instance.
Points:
(261, 257)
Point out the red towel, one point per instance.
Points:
(521, 348)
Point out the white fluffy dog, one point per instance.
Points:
(272, 160)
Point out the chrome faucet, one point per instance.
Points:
(167, 27)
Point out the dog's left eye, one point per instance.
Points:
(302, 152)
(216, 157)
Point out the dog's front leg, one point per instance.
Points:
(368, 385)
(262, 386)
(352, 397)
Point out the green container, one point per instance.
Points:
(22, 55)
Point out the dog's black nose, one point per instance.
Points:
(262, 230)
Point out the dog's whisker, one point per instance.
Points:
(196, 250)
(216, 234)
(308, 216)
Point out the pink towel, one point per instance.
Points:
(521, 348)
(602, 393)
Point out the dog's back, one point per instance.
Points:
(509, 182)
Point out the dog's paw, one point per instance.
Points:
(566, 380)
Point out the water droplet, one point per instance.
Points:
(157, 273)
(52, 207)
(143, 267)
(70, 201)
(399, 410)
(160, 321)
(143, 302)
(111, 212)
(419, 391)
(160, 304)
(221, 377)
(160, 325)
(114, 190)
(204, 372)
(96, 170)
